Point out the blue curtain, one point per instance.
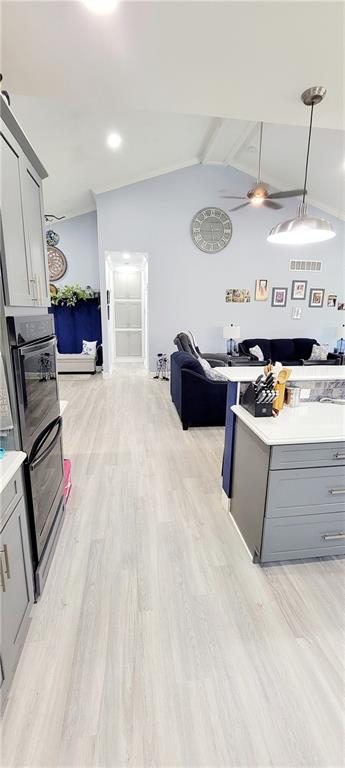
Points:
(73, 324)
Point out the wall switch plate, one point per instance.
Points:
(304, 394)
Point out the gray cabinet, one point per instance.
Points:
(23, 249)
(293, 505)
(35, 232)
(16, 581)
(16, 262)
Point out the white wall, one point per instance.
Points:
(186, 288)
(78, 241)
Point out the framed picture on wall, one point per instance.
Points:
(237, 295)
(299, 289)
(332, 300)
(261, 290)
(316, 297)
(279, 297)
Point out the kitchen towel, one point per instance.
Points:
(6, 423)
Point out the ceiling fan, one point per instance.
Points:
(259, 194)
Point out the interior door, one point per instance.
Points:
(15, 256)
(35, 234)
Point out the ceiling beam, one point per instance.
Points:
(245, 136)
(210, 138)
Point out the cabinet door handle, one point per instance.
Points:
(2, 577)
(336, 491)
(339, 455)
(39, 289)
(34, 281)
(333, 536)
(7, 561)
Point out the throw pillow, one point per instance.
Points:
(257, 352)
(210, 372)
(89, 348)
(319, 352)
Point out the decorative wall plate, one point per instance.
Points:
(53, 289)
(211, 230)
(52, 237)
(57, 263)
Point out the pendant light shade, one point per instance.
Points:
(301, 230)
(304, 229)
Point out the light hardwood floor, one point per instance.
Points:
(157, 642)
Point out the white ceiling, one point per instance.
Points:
(181, 82)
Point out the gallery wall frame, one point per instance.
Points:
(316, 297)
(299, 290)
(279, 297)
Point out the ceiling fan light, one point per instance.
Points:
(301, 231)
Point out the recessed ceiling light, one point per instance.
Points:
(101, 7)
(114, 140)
(126, 256)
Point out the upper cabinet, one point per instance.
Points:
(35, 232)
(23, 246)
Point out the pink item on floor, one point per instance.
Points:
(67, 478)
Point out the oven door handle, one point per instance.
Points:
(49, 447)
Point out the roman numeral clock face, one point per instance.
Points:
(211, 230)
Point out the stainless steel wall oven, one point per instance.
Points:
(33, 345)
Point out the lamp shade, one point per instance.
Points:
(341, 331)
(301, 230)
(231, 331)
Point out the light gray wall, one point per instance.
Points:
(186, 288)
(78, 241)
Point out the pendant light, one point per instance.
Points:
(304, 229)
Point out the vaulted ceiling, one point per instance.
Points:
(182, 82)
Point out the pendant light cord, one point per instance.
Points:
(308, 150)
(260, 149)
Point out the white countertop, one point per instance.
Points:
(299, 372)
(9, 465)
(312, 423)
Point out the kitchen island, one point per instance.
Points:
(325, 376)
(288, 482)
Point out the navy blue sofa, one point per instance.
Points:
(286, 351)
(199, 401)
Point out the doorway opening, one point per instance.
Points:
(127, 282)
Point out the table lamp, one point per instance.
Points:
(341, 335)
(231, 332)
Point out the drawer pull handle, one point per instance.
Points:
(7, 562)
(2, 577)
(339, 455)
(336, 491)
(332, 536)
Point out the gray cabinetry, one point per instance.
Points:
(35, 234)
(16, 584)
(16, 264)
(291, 503)
(23, 250)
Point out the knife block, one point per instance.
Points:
(256, 409)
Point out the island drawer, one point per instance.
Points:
(291, 538)
(10, 497)
(305, 492)
(307, 455)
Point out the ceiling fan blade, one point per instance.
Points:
(234, 197)
(239, 206)
(288, 193)
(270, 204)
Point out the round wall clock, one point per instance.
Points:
(211, 230)
(57, 263)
